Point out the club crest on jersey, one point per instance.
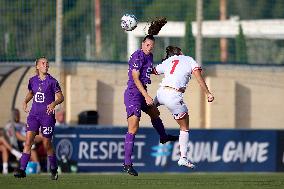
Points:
(39, 97)
(135, 65)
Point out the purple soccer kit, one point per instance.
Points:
(44, 93)
(133, 99)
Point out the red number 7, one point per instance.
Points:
(175, 62)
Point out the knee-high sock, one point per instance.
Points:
(183, 143)
(53, 161)
(128, 148)
(24, 160)
(159, 126)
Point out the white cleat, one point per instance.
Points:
(184, 162)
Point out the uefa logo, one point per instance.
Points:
(64, 148)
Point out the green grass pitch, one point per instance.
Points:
(146, 181)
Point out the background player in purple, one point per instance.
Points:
(43, 88)
(136, 97)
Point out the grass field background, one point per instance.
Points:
(146, 181)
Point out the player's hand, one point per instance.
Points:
(210, 97)
(149, 101)
(25, 107)
(50, 108)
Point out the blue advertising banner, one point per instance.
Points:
(101, 149)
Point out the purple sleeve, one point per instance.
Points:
(135, 62)
(56, 87)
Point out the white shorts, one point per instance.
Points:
(173, 100)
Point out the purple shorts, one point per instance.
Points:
(43, 123)
(134, 102)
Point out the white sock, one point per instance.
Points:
(183, 143)
(5, 168)
(16, 153)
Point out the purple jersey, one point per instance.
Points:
(142, 63)
(44, 93)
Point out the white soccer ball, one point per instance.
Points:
(128, 22)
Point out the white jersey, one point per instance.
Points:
(177, 71)
(10, 132)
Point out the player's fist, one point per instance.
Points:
(50, 108)
(25, 107)
(210, 97)
(149, 101)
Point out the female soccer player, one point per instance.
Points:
(43, 88)
(136, 97)
(177, 70)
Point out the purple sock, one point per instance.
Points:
(53, 161)
(159, 126)
(128, 148)
(24, 160)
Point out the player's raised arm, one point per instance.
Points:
(198, 76)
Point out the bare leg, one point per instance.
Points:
(5, 156)
(5, 143)
(15, 152)
(133, 124)
(29, 142)
(34, 156)
(27, 150)
(50, 153)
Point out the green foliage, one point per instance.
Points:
(241, 48)
(189, 40)
(11, 48)
(172, 10)
(32, 25)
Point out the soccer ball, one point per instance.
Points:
(128, 22)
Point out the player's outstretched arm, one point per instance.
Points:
(29, 96)
(198, 76)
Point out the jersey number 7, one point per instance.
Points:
(175, 63)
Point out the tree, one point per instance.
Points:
(189, 40)
(11, 49)
(241, 48)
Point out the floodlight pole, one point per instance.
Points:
(198, 55)
(198, 44)
(58, 45)
(98, 28)
(223, 40)
(58, 34)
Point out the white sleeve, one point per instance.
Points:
(194, 65)
(159, 69)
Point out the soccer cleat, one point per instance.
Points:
(19, 173)
(130, 170)
(54, 174)
(184, 162)
(169, 138)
